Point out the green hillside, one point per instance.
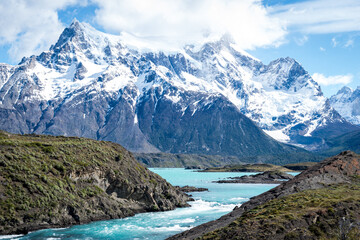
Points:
(311, 214)
(349, 141)
(48, 181)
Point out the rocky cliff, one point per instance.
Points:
(50, 181)
(317, 203)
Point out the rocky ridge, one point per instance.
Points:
(338, 174)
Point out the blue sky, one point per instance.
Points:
(323, 35)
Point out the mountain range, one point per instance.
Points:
(347, 101)
(213, 99)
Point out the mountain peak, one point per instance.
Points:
(74, 22)
(288, 65)
(76, 25)
(290, 60)
(287, 61)
(68, 33)
(79, 27)
(346, 102)
(83, 32)
(344, 89)
(81, 40)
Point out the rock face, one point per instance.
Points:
(338, 174)
(50, 181)
(197, 100)
(269, 177)
(347, 101)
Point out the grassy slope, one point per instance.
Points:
(43, 176)
(316, 214)
(36, 167)
(348, 141)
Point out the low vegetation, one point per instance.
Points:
(327, 213)
(348, 141)
(65, 180)
(322, 202)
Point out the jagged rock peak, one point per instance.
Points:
(68, 33)
(83, 33)
(74, 23)
(286, 64)
(345, 89)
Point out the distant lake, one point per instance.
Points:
(220, 199)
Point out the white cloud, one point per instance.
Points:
(334, 42)
(349, 43)
(342, 42)
(301, 41)
(178, 22)
(30, 26)
(332, 80)
(322, 49)
(320, 16)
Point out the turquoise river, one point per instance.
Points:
(219, 200)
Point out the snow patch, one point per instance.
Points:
(278, 135)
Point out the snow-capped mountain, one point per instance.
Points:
(347, 102)
(5, 72)
(92, 84)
